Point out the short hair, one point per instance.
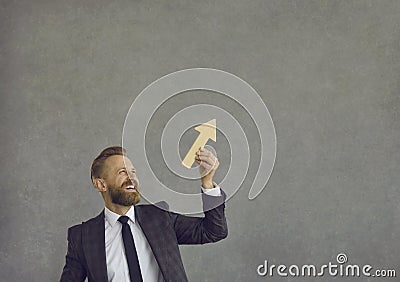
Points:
(98, 163)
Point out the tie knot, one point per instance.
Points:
(123, 219)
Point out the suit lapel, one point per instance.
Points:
(93, 243)
(151, 230)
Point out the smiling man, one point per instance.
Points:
(130, 242)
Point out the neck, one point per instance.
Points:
(118, 209)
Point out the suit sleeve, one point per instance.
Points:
(200, 230)
(74, 270)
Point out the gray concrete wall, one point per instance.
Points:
(327, 70)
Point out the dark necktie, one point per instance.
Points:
(130, 251)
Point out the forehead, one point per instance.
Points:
(117, 162)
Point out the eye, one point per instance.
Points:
(122, 171)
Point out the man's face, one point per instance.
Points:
(121, 180)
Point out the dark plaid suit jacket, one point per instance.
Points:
(86, 256)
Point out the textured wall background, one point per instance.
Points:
(327, 70)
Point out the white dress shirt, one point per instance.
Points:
(117, 266)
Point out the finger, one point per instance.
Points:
(205, 165)
(207, 159)
(206, 169)
(212, 165)
(204, 152)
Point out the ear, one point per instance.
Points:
(100, 184)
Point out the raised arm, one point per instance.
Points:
(200, 230)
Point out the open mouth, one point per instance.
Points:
(131, 188)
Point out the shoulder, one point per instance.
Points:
(157, 211)
(157, 207)
(76, 230)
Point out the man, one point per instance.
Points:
(129, 242)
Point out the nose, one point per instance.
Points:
(132, 176)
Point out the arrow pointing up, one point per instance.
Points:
(207, 131)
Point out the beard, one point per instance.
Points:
(120, 197)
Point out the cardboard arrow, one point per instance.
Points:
(207, 131)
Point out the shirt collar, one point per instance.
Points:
(112, 217)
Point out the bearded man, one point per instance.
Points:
(130, 242)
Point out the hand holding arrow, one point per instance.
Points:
(207, 131)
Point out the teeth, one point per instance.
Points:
(131, 187)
